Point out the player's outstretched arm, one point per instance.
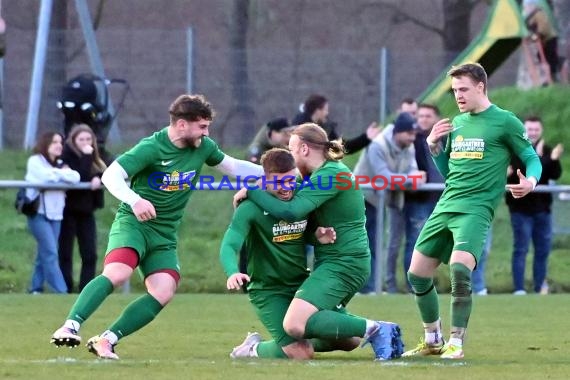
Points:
(234, 167)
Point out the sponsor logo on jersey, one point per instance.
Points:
(176, 181)
(471, 148)
(284, 231)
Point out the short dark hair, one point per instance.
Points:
(190, 108)
(472, 70)
(534, 118)
(408, 101)
(277, 160)
(432, 107)
(313, 103)
(43, 144)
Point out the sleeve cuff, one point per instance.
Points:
(534, 182)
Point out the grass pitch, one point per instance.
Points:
(509, 338)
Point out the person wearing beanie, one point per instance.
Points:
(274, 134)
(391, 155)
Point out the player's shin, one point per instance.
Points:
(428, 304)
(461, 301)
(138, 314)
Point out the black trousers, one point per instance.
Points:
(83, 226)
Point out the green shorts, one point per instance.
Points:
(446, 232)
(156, 251)
(271, 307)
(333, 284)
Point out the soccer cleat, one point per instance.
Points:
(65, 337)
(102, 348)
(245, 350)
(452, 351)
(386, 341)
(424, 349)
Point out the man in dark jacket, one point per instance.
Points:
(316, 110)
(531, 216)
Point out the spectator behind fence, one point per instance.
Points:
(316, 110)
(531, 216)
(46, 166)
(275, 134)
(390, 154)
(81, 154)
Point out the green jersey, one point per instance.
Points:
(479, 150)
(276, 248)
(165, 175)
(332, 194)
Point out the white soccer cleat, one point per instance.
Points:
(65, 337)
(452, 351)
(102, 348)
(245, 350)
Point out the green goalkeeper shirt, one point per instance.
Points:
(275, 248)
(476, 158)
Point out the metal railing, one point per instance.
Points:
(380, 246)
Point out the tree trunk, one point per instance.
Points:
(241, 115)
(456, 21)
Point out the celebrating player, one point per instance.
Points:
(277, 265)
(474, 162)
(340, 268)
(145, 227)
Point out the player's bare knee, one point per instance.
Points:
(300, 350)
(117, 273)
(294, 329)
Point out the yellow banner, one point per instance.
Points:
(475, 155)
(277, 239)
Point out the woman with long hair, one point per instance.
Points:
(45, 165)
(81, 154)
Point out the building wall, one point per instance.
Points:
(294, 48)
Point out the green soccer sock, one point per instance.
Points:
(137, 314)
(270, 350)
(91, 297)
(461, 301)
(323, 345)
(328, 324)
(426, 297)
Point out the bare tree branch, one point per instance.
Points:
(399, 16)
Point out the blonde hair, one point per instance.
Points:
(316, 137)
(98, 164)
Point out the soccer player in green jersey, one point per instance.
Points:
(277, 265)
(330, 194)
(480, 142)
(164, 169)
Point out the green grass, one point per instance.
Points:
(509, 338)
(209, 213)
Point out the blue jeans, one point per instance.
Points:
(538, 227)
(410, 220)
(46, 268)
(478, 275)
(371, 225)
